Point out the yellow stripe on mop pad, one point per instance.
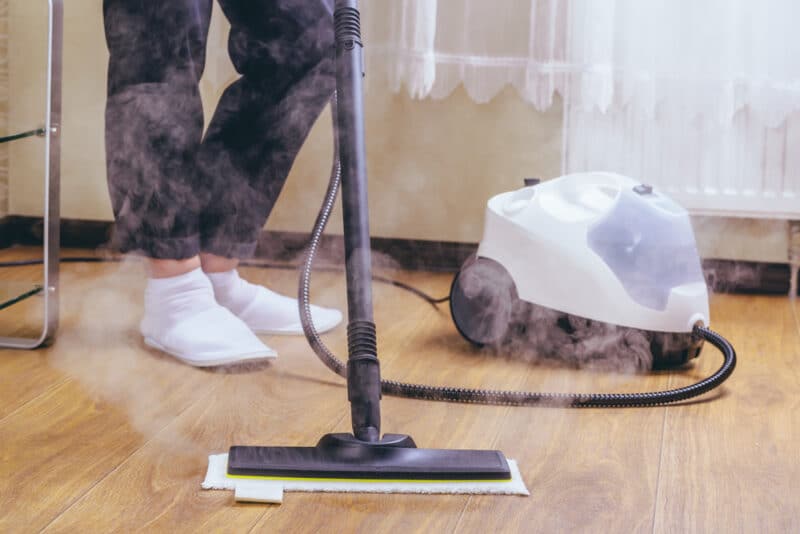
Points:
(257, 489)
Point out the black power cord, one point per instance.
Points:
(38, 132)
(28, 294)
(433, 301)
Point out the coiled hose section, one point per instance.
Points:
(483, 396)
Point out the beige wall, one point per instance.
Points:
(432, 164)
(27, 68)
(83, 180)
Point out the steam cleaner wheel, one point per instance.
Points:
(482, 298)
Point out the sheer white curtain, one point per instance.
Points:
(433, 46)
(400, 37)
(699, 97)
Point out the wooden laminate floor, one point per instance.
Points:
(98, 433)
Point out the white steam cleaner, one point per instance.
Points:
(580, 266)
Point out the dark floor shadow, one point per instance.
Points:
(236, 368)
(454, 343)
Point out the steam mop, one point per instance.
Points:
(597, 247)
(364, 456)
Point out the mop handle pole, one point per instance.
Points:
(363, 370)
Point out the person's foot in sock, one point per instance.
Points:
(265, 311)
(182, 318)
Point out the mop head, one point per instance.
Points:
(270, 490)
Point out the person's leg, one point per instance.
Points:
(284, 53)
(154, 124)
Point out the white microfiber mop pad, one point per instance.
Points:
(254, 490)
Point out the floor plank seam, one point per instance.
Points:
(47, 391)
(126, 459)
(268, 509)
(461, 515)
(495, 442)
(660, 467)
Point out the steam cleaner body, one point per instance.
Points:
(583, 268)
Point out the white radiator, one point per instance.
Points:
(743, 169)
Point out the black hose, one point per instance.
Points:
(576, 400)
(483, 396)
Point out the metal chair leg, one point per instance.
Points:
(52, 182)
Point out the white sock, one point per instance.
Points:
(182, 318)
(265, 311)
